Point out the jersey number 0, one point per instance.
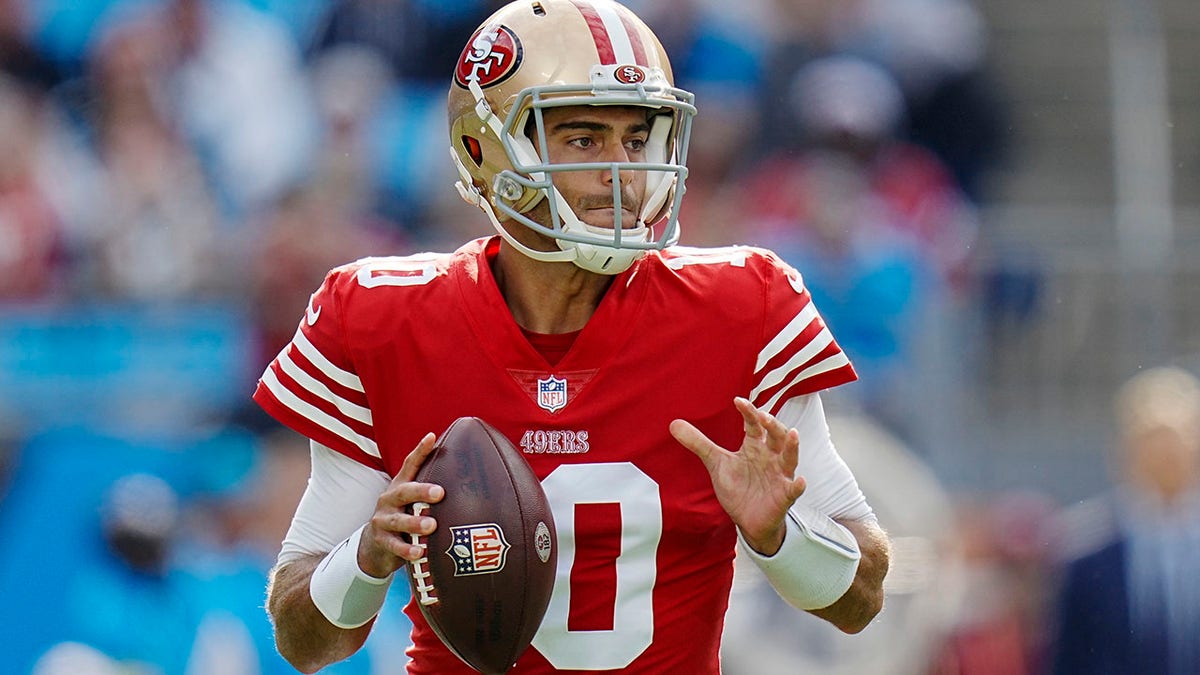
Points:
(637, 496)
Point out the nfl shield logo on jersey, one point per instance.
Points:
(478, 549)
(552, 393)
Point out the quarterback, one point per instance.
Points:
(667, 397)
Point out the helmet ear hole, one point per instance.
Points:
(474, 151)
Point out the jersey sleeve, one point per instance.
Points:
(830, 485)
(799, 354)
(340, 496)
(312, 386)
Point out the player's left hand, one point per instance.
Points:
(757, 484)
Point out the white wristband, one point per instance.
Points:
(816, 563)
(347, 596)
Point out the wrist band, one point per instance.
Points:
(344, 594)
(816, 563)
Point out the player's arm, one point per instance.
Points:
(831, 491)
(324, 594)
(864, 599)
(303, 635)
(807, 553)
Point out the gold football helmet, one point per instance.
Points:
(537, 54)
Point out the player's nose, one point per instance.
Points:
(616, 155)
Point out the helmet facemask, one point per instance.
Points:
(529, 179)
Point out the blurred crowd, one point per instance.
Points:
(176, 176)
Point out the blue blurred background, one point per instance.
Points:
(993, 202)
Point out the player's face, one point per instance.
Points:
(598, 134)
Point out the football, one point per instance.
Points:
(485, 581)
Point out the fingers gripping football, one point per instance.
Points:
(485, 580)
(387, 542)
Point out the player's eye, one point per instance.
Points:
(583, 143)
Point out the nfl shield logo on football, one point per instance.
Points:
(478, 549)
(552, 393)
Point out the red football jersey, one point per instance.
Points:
(393, 348)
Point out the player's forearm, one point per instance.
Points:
(302, 634)
(864, 599)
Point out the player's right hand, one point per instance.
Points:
(386, 540)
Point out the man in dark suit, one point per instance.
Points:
(1131, 604)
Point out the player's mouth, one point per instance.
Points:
(607, 217)
(599, 211)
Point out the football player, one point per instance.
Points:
(667, 397)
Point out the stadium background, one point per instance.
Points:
(994, 202)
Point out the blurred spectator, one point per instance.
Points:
(129, 606)
(1130, 600)
(802, 30)
(870, 281)
(73, 658)
(402, 134)
(418, 39)
(853, 109)
(717, 157)
(305, 237)
(139, 520)
(349, 84)
(1000, 627)
(241, 98)
(223, 567)
(155, 231)
(875, 225)
(334, 217)
(937, 50)
(31, 237)
(934, 48)
(234, 527)
(20, 58)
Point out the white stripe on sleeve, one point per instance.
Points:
(832, 363)
(777, 344)
(318, 389)
(814, 347)
(343, 377)
(316, 415)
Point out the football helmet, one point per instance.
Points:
(532, 55)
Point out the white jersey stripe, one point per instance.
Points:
(343, 377)
(785, 336)
(316, 415)
(814, 347)
(318, 389)
(622, 47)
(832, 363)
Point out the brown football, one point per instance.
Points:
(485, 581)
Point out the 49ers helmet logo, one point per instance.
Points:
(630, 74)
(491, 56)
